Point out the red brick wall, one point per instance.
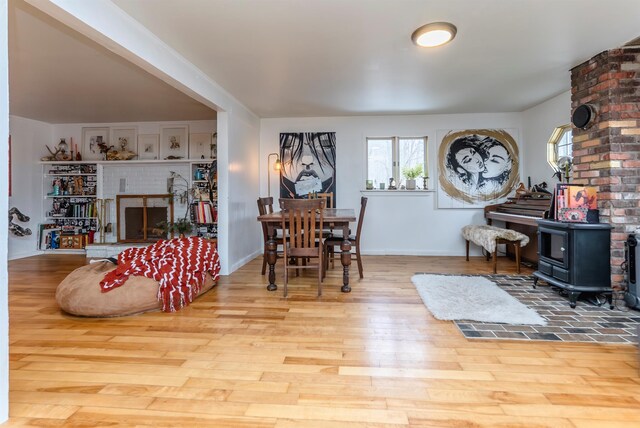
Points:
(607, 154)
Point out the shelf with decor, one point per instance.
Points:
(69, 205)
(204, 207)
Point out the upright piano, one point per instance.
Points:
(521, 213)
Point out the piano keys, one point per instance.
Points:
(521, 214)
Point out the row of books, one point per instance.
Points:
(64, 209)
(204, 212)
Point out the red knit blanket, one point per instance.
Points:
(179, 265)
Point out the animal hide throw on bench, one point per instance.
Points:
(179, 265)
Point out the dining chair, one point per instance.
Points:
(265, 206)
(334, 241)
(328, 196)
(302, 222)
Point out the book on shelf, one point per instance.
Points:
(204, 212)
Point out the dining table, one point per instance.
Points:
(334, 218)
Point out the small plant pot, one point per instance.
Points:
(411, 184)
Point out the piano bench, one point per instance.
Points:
(489, 237)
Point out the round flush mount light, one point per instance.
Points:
(434, 34)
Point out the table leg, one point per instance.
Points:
(345, 258)
(272, 256)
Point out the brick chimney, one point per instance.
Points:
(607, 153)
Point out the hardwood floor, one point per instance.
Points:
(242, 356)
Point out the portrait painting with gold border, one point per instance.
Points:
(476, 167)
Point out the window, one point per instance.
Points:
(560, 145)
(387, 157)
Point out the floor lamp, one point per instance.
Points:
(276, 167)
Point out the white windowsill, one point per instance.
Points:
(398, 192)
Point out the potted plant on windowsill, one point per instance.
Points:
(411, 174)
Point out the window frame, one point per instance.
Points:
(552, 145)
(395, 155)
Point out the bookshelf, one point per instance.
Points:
(204, 208)
(70, 215)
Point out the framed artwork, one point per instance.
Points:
(124, 139)
(476, 167)
(174, 142)
(308, 164)
(148, 146)
(200, 146)
(92, 140)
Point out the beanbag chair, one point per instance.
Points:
(80, 294)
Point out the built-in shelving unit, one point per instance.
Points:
(69, 205)
(72, 189)
(204, 208)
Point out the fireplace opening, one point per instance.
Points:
(139, 217)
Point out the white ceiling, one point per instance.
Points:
(286, 58)
(56, 75)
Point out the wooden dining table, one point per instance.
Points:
(335, 218)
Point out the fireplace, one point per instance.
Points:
(138, 217)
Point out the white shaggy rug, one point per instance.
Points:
(473, 298)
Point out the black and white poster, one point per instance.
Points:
(308, 163)
(476, 167)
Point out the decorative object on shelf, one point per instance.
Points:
(124, 140)
(148, 146)
(411, 173)
(425, 182)
(381, 186)
(369, 184)
(174, 142)
(200, 145)
(53, 155)
(64, 150)
(476, 167)
(94, 140)
(565, 164)
(113, 155)
(392, 184)
(16, 229)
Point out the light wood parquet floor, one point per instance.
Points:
(241, 356)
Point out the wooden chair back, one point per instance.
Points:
(363, 207)
(265, 206)
(328, 196)
(302, 221)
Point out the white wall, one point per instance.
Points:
(28, 139)
(395, 223)
(245, 234)
(4, 282)
(538, 124)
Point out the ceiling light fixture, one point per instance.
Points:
(434, 34)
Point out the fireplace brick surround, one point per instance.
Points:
(607, 153)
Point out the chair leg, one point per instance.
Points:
(332, 251)
(359, 260)
(264, 264)
(286, 279)
(320, 268)
(467, 250)
(495, 260)
(517, 251)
